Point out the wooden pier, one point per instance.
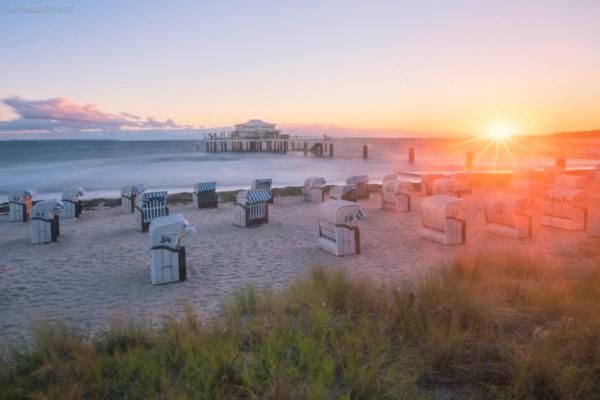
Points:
(318, 146)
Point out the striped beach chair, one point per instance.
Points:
(205, 195)
(148, 206)
(167, 257)
(19, 205)
(362, 190)
(263, 184)
(251, 208)
(73, 205)
(128, 195)
(44, 221)
(342, 192)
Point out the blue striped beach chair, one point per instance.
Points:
(264, 184)
(205, 195)
(362, 190)
(148, 206)
(251, 208)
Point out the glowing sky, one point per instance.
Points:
(396, 65)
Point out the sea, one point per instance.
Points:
(103, 167)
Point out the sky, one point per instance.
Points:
(381, 68)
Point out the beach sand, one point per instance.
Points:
(98, 269)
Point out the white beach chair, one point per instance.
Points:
(362, 190)
(464, 182)
(336, 231)
(312, 191)
(167, 257)
(251, 208)
(148, 206)
(73, 206)
(342, 192)
(264, 184)
(442, 219)
(394, 195)
(564, 208)
(205, 195)
(508, 214)
(45, 226)
(427, 183)
(19, 205)
(128, 195)
(446, 187)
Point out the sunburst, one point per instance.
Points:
(499, 132)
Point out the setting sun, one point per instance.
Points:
(500, 131)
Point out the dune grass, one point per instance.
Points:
(483, 327)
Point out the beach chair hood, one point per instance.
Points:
(435, 210)
(166, 232)
(353, 180)
(569, 181)
(149, 196)
(340, 212)
(314, 182)
(251, 197)
(45, 210)
(205, 187)
(127, 191)
(72, 194)
(19, 195)
(262, 184)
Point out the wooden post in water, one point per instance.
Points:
(365, 151)
(331, 150)
(561, 162)
(305, 148)
(469, 159)
(411, 155)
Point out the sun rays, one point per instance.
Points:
(498, 132)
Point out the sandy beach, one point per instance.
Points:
(98, 269)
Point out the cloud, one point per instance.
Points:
(63, 115)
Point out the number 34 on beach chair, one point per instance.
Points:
(168, 263)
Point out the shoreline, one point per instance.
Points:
(498, 179)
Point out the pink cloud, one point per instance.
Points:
(61, 114)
